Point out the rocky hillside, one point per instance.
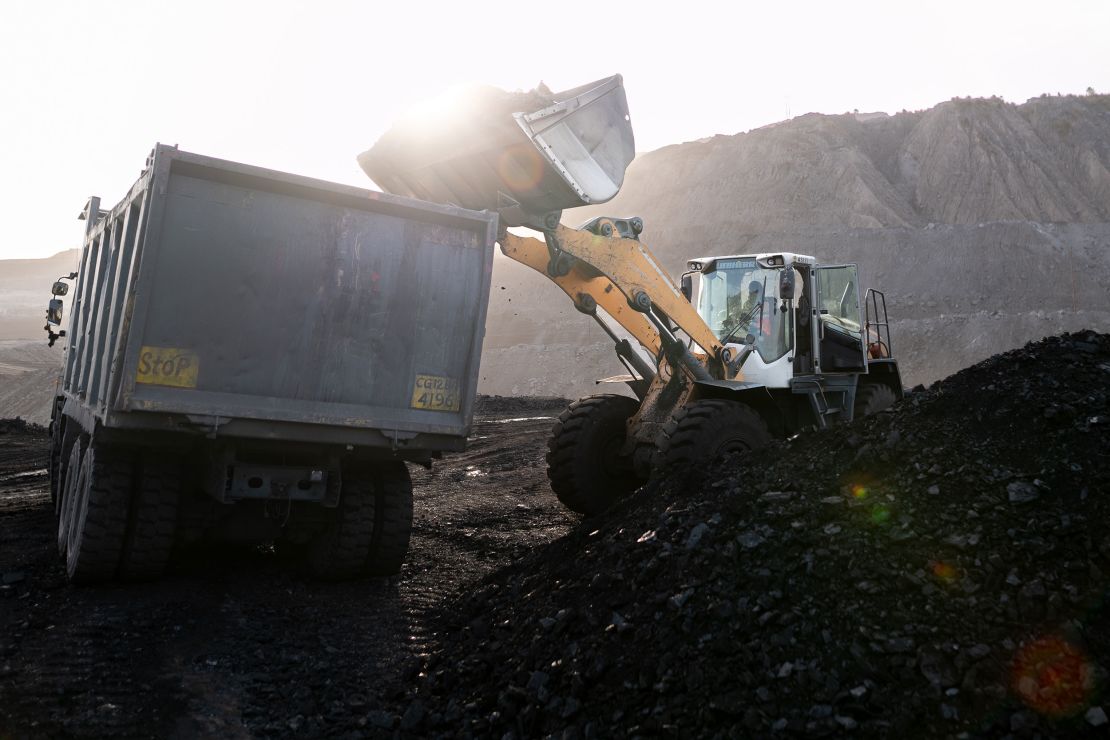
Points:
(963, 162)
(986, 224)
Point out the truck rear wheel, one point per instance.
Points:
(338, 552)
(584, 464)
(392, 519)
(702, 432)
(66, 495)
(98, 514)
(57, 463)
(153, 520)
(871, 398)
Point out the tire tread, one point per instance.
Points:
(153, 521)
(685, 434)
(577, 488)
(94, 549)
(393, 506)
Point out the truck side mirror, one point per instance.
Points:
(54, 311)
(59, 288)
(687, 288)
(786, 284)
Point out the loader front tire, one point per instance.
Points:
(871, 398)
(706, 431)
(584, 464)
(392, 488)
(98, 514)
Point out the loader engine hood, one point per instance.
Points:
(524, 155)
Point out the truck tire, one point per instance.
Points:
(392, 519)
(339, 551)
(702, 432)
(871, 398)
(153, 521)
(66, 495)
(57, 464)
(98, 514)
(584, 465)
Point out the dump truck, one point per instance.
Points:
(255, 356)
(773, 344)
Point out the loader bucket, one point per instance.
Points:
(524, 155)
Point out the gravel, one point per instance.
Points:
(936, 570)
(882, 580)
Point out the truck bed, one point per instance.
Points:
(233, 300)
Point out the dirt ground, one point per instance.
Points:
(240, 642)
(938, 569)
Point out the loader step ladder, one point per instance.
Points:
(829, 396)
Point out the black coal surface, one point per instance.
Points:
(518, 404)
(936, 570)
(20, 426)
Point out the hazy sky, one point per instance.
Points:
(88, 88)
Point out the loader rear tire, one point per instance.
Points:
(98, 514)
(584, 464)
(871, 398)
(392, 519)
(153, 520)
(338, 552)
(706, 431)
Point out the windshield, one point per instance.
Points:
(737, 287)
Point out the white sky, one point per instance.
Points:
(86, 88)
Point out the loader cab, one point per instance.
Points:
(801, 318)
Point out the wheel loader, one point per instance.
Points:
(774, 343)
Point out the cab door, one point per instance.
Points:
(840, 327)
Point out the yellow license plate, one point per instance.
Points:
(435, 393)
(168, 366)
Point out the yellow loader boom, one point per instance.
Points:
(529, 156)
(618, 274)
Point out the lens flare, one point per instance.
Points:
(943, 571)
(520, 167)
(859, 492)
(880, 514)
(1052, 676)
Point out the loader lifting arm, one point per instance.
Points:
(621, 276)
(531, 156)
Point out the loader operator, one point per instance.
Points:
(739, 306)
(755, 295)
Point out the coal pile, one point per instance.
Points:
(939, 570)
(489, 405)
(19, 425)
